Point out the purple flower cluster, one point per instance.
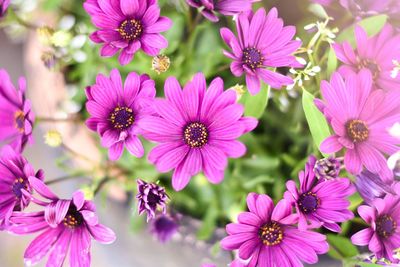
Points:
(262, 42)
(127, 26)
(151, 197)
(209, 8)
(267, 236)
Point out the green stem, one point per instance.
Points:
(64, 178)
(52, 119)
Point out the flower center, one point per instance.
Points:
(385, 226)
(372, 66)
(20, 120)
(17, 187)
(196, 134)
(271, 234)
(252, 58)
(308, 202)
(73, 218)
(153, 199)
(130, 29)
(357, 130)
(122, 118)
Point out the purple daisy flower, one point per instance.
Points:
(197, 130)
(320, 202)
(383, 235)
(267, 237)
(209, 8)
(15, 114)
(150, 197)
(327, 168)
(164, 227)
(375, 54)
(128, 25)
(64, 225)
(262, 42)
(360, 119)
(117, 109)
(14, 173)
(4, 6)
(370, 186)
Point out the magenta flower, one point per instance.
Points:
(375, 54)
(360, 122)
(64, 225)
(14, 173)
(117, 109)
(16, 116)
(128, 25)
(197, 130)
(267, 237)
(164, 227)
(320, 202)
(151, 197)
(262, 42)
(383, 235)
(209, 8)
(4, 6)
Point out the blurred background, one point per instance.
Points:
(59, 61)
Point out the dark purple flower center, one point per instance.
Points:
(17, 187)
(308, 202)
(271, 234)
(74, 218)
(122, 118)
(385, 226)
(253, 58)
(20, 120)
(357, 130)
(131, 29)
(372, 66)
(196, 134)
(153, 199)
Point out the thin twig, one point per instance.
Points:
(100, 185)
(65, 178)
(52, 119)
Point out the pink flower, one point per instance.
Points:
(267, 237)
(64, 225)
(375, 54)
(383, 235)
(320, 202)
(360, 119)
(196, 130)
(128, 25)
(16, 116)
(115, 110)
(262, 43)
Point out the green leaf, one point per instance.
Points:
(332, 62)
(341, 247)
(255, 104)
(209, 222)
(316, 121)
(355, 201)
(365, 264)
(371, 25)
